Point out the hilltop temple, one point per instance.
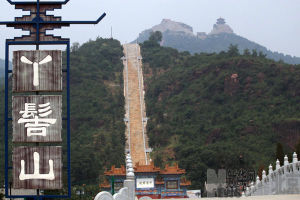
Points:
(221, 27)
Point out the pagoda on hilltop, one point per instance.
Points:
(221, 21)
(151, 181)
(220, 27)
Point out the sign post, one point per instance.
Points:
(36, 108)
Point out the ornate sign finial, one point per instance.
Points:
(38, 22)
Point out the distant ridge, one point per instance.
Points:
(181, 36)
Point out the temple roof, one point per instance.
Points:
(221, 21)
(116, 171)
(160, 182)
(105, 184)
(184, 182)
(146, 168)
(172, 170)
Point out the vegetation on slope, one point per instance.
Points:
(221, 110)
(97, 109)
(2, 67)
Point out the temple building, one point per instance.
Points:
(221, 20)
(220, 27)
(150, 181)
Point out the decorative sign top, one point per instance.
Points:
(38, 22)
(34, 2)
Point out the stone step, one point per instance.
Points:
(135, 95)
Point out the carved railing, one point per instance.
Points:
(283, 180)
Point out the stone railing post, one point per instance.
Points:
(286, 164)
(130, 180)
(295, 158)
(277, 164)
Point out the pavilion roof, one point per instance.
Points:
(116, 171)
(185, 182)
(160, 182)
(146, 168)
(105, 184)
(172, 170)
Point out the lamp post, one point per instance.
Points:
(112, 185)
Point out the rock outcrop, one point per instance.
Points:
(169, 25)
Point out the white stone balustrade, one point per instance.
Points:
(283, 180)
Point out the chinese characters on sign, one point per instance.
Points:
(37, 125)
(37, 167)
(145, 183)
(37, 119)
(37, 71)
(240, 177)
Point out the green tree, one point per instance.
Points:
(261, 54)
(254, 53)
(247, 52)
(233, 50)
(156, 36)
(75, 47)
(279, 153)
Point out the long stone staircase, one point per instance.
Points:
(135, 117)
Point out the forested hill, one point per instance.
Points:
(219, 110)
(2, 71)
(97, 111)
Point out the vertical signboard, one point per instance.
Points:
(37, 118)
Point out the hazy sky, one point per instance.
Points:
(274, 24)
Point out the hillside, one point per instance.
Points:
(2, 67)
(97, 111)
(219, 110)
(180, 36)
(2, 71)
(213, 110)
